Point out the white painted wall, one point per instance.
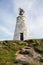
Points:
(20, 28)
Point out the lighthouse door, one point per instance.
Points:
(21, 36)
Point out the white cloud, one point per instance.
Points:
(36, 27)
(5, 30)
(25, 4)
(7, 18)
(33, 12)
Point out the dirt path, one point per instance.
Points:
(19, 56)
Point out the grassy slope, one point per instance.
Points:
(9, 48)
(7, 51)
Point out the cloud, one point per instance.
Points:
(36, 27)
(33, 12)
(7, 20)
(5, 30)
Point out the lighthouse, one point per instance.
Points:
(20, 28)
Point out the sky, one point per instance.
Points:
(9, 10)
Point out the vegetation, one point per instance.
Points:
(8, 48)
(36, 43)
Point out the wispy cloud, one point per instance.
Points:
(5, 30)
(33, 12)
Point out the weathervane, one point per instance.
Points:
(21, 11)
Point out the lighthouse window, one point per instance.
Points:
(21, 36)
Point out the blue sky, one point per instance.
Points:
(9, 12)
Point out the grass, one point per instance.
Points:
(7, 53)
(38, 43)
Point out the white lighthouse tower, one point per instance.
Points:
(21, 29)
